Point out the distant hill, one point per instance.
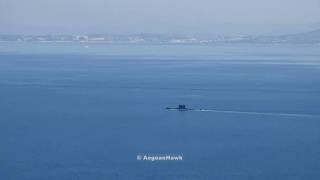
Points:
(308, 37)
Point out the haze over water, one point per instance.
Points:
(85, 111)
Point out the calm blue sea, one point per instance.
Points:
(85, 111)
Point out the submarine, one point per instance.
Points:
(180, 107)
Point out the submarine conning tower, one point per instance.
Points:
(182, 106)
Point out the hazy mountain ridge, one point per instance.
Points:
(312, 37)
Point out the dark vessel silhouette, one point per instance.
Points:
(180, 107)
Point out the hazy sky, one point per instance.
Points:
(157, 16)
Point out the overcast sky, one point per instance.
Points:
(157, 16)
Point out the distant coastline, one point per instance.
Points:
(312, 37)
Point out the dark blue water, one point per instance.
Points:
(84, 112)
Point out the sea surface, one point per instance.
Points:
(72, 111)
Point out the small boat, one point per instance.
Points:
(180, 107)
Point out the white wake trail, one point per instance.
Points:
(256, 113)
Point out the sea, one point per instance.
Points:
(85, 111)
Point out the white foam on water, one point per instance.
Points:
(256, 113)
